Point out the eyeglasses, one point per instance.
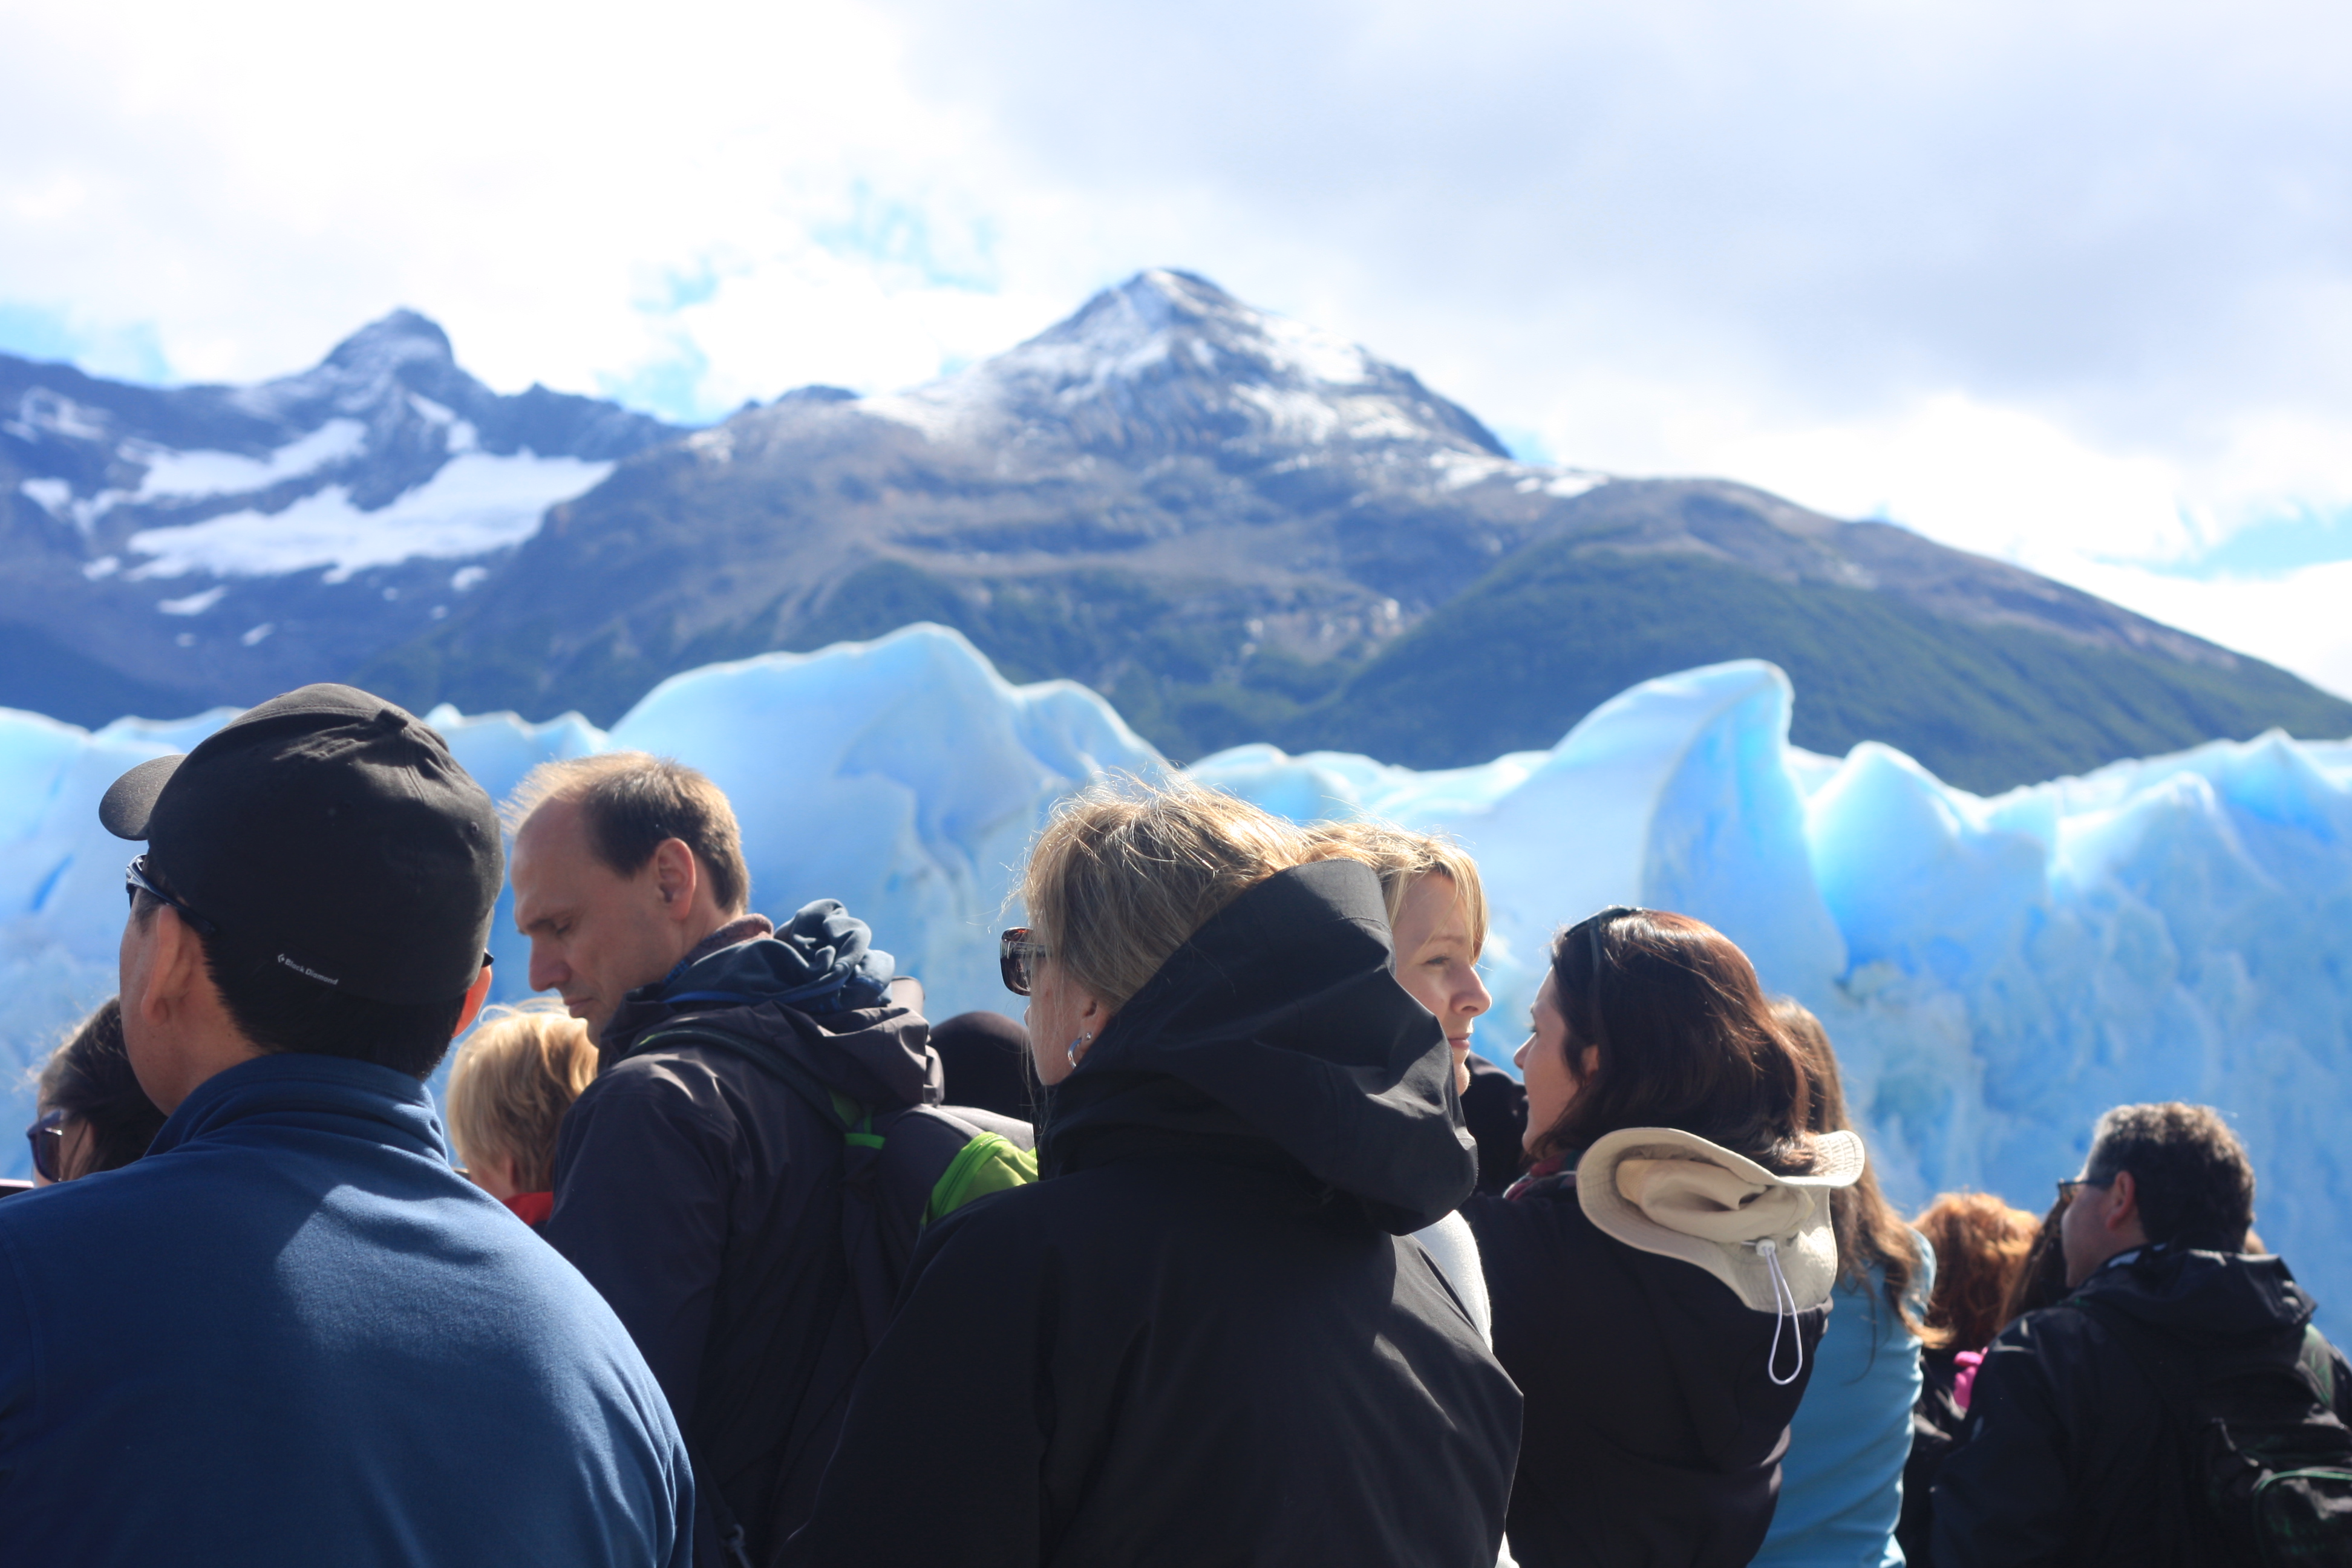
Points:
(135, 882)
(1016, 951)
(47, 1137)
(2072, 1185)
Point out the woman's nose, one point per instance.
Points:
(1475, 999)
(1520, 1057)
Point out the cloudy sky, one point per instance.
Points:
(2068, 284)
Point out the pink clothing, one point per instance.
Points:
(1967, 1362)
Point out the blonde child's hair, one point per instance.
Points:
(1401, 858)
(512, 1081)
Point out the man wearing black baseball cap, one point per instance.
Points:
(293, 1334)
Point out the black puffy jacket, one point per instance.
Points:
(702, 1194)
(2063, 1458)
(1203, 1339)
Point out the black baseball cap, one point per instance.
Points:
(330, 831)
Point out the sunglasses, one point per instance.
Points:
(1595, 926)
(2072, 1185)
(47, 1137)
(136, 880)
(1016, 951)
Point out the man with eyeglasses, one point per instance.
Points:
(292, 1335)
(2088, 1440)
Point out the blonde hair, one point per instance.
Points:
(511, 1083)
(1401, 858)
(1125, 871)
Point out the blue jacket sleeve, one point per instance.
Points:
(18, 1345)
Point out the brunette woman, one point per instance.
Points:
(1841, 1481)
(1661, 1275)
(1202, 1337)
(94, 1114)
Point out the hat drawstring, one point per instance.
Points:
(1784, 1310)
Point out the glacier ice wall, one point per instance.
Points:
(1995, 971)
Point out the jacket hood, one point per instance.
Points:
(1766, 1235)
(2219, 1294)
(878, 1055)
(1280, 1024)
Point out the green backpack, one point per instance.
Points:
(2262, 1466)
(902, 1168)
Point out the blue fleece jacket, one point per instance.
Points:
(292, 1335)
(1842, 1478)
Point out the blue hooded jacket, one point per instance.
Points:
(292, 1335)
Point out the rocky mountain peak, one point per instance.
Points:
(400, 338)
(1169, 361)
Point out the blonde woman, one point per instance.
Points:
(1204, 1336)
(1437, 917)
(508, 1088)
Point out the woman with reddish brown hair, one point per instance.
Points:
(1659, 1279)
(1985, 1253)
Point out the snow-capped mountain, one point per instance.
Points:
(1242, 528)
(198, 544)
(1234, 525)
(1168, 362)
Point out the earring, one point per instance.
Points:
(1079, 1044)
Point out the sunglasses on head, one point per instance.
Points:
(47, 1137)
(1016, 950)
(136, 880)
(1595, 926)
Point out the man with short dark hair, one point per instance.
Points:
(292, 1335)
(2073, 1454)
(698, 1180)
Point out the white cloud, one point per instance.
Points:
(2073, 286)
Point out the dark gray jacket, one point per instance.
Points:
(1204, 1338)
(702, 1194)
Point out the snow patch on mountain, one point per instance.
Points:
(52, 496)
(477, 502)
(179, 475)
(194, 603)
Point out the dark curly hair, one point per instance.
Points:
(2196, 1185)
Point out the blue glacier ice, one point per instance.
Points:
(1995, 971)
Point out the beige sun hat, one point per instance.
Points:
(1768, 1237)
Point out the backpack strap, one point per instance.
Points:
(2319, 1364)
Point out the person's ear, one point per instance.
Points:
(475, 994)
(174, 958)
(676, 877)
(1588, 1064)
(2123, 1202)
